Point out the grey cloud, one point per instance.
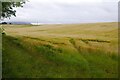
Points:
(56, 12)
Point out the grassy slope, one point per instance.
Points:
(60, 56)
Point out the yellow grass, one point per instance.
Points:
(60, 33)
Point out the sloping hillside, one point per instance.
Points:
(59, 51)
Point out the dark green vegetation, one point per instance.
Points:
(33, 57)
(7, 8)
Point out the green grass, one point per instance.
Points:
(42, 55)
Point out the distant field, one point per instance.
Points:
(61, 51)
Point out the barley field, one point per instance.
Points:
(61, 51)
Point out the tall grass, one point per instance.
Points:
(61, 51)
(49, 61)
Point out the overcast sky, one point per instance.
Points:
(67, 11)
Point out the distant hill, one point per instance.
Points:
(20, 22)
(17, 22)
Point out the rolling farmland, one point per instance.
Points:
(61, 51)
